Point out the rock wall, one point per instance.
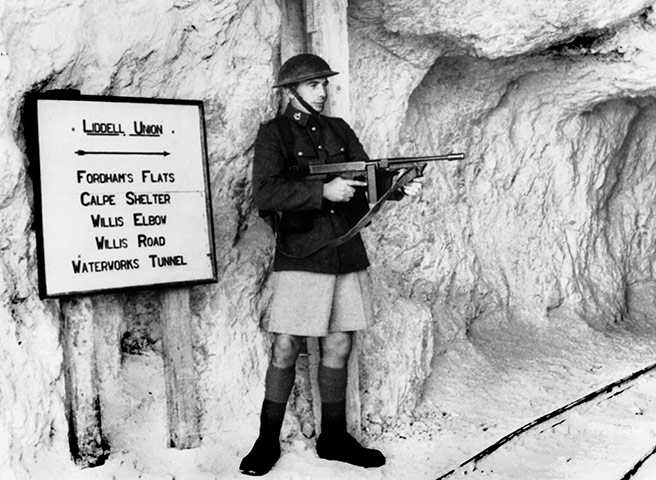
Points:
(551, 212)
(554, 141)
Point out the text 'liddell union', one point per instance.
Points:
(139, 128)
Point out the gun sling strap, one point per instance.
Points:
(404, 179)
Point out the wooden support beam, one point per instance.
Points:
(306, 402)
(108, 327)
(315, 357)
(292, 29)
(179, 370)
(353, 404)
(301, 402)
(327, 36)
(292, 33)
(88, 447)
(320, 27)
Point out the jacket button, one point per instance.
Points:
(332, 211)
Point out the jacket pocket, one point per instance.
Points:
(336, 154)
(304, 156)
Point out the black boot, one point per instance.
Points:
(335, 443)
(262, 457)
(266, 450)
(343, 447)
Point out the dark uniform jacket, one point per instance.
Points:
(308, 220)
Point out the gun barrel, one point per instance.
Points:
(449, 157)
(362, 166)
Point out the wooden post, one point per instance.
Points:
(179, 370)
(314, 352)
(306, 392)
(320, 27)
(86, 441)
(353, 404)
(109, 326)
(301, 400)
(327, 33)
(292, 33)
(292, 29)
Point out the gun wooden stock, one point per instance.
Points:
(369, 168)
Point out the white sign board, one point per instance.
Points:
(123, 194)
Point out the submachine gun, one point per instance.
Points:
(414, 167)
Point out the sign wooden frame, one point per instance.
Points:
(122, 193)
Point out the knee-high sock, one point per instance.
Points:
(277, 387)
(278, 383)
(332, 387)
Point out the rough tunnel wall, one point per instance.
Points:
(395, 354)
(551, 210)
(630, 210)
(498, 28)
(528, 227)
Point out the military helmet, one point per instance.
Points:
(302, 67)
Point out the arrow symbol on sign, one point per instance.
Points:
(163, 153)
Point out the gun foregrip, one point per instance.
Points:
(372, 187)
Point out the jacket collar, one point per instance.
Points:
(301, 118)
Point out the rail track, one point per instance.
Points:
(557, 417)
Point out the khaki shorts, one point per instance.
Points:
(315, 304)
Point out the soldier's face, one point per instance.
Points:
(314, 92)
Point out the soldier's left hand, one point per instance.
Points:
(412, 188)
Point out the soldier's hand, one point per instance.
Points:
(413, 187)
(341, 189)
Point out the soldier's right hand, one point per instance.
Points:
(341, 189)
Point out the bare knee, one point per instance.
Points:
(285, 350)
(335, 349)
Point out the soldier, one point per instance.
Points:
(325, 294)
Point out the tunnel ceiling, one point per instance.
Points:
(497, 28)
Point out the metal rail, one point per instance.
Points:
(639, 464)
(471, 462)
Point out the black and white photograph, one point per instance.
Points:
(327, 239)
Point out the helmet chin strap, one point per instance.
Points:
(300, 99)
